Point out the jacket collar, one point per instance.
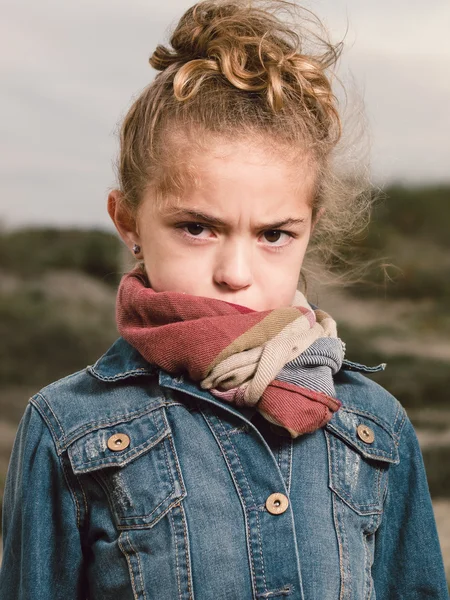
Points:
(122, 360)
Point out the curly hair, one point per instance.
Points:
(258, 71)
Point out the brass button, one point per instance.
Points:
(118, 441)
(365, 434)
(277, 503)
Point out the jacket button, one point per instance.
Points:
(118, 441)
(365, 434)
(277, 503)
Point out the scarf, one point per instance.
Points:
(280, 361)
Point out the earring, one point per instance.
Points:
(136, 249)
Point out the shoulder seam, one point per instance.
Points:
(34, 402)
(399, 422)
(60, 459)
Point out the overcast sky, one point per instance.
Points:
(69, 70)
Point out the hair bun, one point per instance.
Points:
(197, 28)
(248, 46)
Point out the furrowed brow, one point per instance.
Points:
(215, 221)
(195, 214)
(280, 224)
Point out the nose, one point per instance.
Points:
(233, 266)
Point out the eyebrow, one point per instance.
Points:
(210, 220)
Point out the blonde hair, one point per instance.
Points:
(236, 68)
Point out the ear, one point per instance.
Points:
(123, 219)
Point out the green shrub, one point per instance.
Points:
(415, 381)
(437, 465)
(30, 252)
(40, 343)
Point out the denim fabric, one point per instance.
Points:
(180, 513)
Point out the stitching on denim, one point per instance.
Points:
(174, 453)
(177, 466)
(251, 495)
(115, 420)
(345, 550)
(337, 488)
(285, 450)
(54, 415)
(364, 368)
(388, 427)
(336, 527)
(257, 516)
(131, 373)
(168, 466)
(399, 409)
(187, 552)
(130, 566)
(291, 455)
(258, 525)
(148, 516)
(104, 487)
(82, 491)
(43, 414)
(259, 508)
(177, 568)
(366, 564)
(342, 590)
(117, 460)
(367, 578)
(401, 426)
(240, 429)
(241, 495)
(379, 485)
(174, 457)
(382, 475)
(279, 454)
(148, 525)
(284, 591)
(144, 595)
(377, 453)
(72, 493)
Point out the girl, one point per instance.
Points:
(223, 448)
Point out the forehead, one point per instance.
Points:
(246, 170)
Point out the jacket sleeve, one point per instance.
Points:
(408, 561)
(42, 555)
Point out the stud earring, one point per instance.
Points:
(136, 249)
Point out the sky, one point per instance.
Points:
(69, 71)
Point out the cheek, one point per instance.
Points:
(171, 267)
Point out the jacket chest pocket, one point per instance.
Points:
(136, 464)
(360, 450)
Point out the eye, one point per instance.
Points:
(194, 228)
(276, 237)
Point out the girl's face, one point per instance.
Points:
(239, 236)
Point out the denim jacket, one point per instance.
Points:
(126, 482)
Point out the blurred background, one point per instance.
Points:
(68, 73)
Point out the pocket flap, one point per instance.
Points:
(91, 451)
(347, 425)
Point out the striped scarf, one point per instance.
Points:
(279, 361)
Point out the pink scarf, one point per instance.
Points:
(280, 361)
